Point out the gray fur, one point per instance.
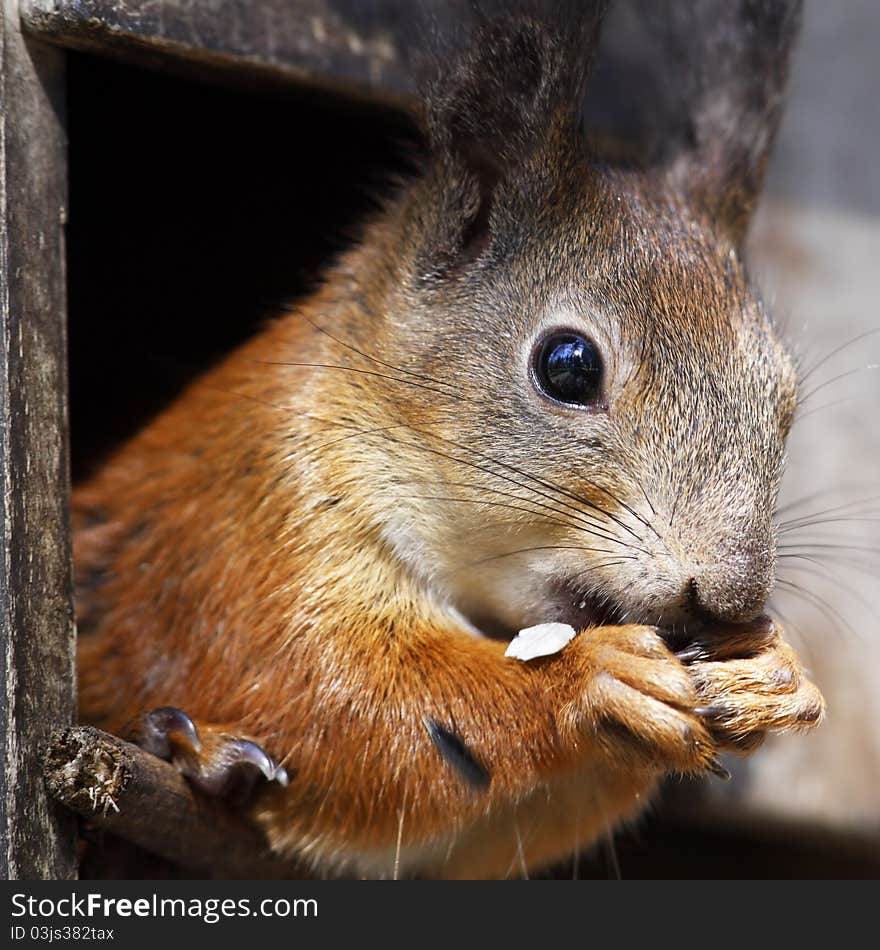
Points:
(679, 476)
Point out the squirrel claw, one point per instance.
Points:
(231, 768)
(158, 724)
(245, 756)
(214, 761)
(690, 654)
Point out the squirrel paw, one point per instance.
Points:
(640, 702)
(750, 682)
(214, 760)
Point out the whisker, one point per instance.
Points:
(544, 483)
(838, 349)
(362, 432)
(540, 547)
(493, 504)
(201, 384)
(800, 416)
(678, 497)
(357, 432)
(354, 369)
(800, 641)
(645, 495)
(826, 575)
(489, 471)
(289, 410)
(549, 485)
(586, 525)
(524, 870)
(610, 850)
(396, 869)
(635, 514)
(811, 496)
(834, 379)
(811, 546)
(861, 519)
(619, 559)
(867, 503)
(822, 605)
(375, 359)
(540, 505)
(860, 564)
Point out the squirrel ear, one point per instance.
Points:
(730, 59)
(491, 91)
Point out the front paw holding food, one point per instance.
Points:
(638, 702)
(750, 682)
(674, 712)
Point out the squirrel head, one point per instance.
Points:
(599, 431)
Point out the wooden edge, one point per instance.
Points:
(326, 46)
(37, 679)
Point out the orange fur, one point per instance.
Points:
(254, 592)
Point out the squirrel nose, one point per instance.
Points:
(736, 601)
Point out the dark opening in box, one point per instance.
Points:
(196, 211)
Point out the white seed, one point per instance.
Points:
(544, 639)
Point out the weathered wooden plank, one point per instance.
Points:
(355, 47)
(36, 618)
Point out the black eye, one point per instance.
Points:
(568, 368)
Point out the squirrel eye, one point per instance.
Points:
(567, 368)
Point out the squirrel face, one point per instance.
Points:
(634, 479)
(638, 483)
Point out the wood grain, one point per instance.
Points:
(36, 616)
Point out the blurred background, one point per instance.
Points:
(218, 161)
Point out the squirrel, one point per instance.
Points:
(539, 388)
